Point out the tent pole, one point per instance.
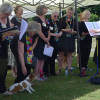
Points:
(2, 1)
(76, 16)
(63, 3)
(78, 35)
(33, 2)
(60, 13)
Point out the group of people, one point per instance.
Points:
(56, 32)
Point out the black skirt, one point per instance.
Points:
(66, 45)
(38, 51)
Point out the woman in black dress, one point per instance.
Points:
(85, 43)
(67, 41)
(43, 39)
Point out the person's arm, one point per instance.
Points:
(69, 31)
(21, 56)
(42, 36)
(34, 45)
(56, 35)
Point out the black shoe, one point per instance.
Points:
(2, 91)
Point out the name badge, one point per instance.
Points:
(51, 28)
(4, 26)
(44, 24)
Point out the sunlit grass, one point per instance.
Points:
(60, 87)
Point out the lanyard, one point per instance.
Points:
(68, 23)
(29, 49)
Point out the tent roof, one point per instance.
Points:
(55, 3)
(30, 5)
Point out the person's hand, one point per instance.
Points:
(48, 45)
(84, 33)
(49, 33)
(24, 70)
(93, 31)
(47, 40)
(59, 35)
(67, 30)
(74, 32)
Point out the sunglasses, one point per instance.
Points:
(55, 16)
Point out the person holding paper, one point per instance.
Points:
(85, 43)
(41, 10)
(5, 11)
(49, 66)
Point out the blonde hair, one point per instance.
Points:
(83, 14)
(69, 8)
(33, 27)
(6, 8)
(39, 10)
(55, 12)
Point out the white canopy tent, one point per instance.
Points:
(30, 5)
(53, 2)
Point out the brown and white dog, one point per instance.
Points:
(23, 85)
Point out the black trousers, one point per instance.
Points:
(85, 48)
(95, 53)
(49, 65)
(3, 73)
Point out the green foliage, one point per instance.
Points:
(30, 19)
(94, 17)
(63, 12)
(95, 9)
(48, 16)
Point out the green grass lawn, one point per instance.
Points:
(60, 87)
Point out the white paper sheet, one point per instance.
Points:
(93, 26)
(48, 50)
(23, 28)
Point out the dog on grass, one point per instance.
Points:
(24, 85)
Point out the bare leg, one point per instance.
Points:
(39, 67)
(59, 58)
(69, 60)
